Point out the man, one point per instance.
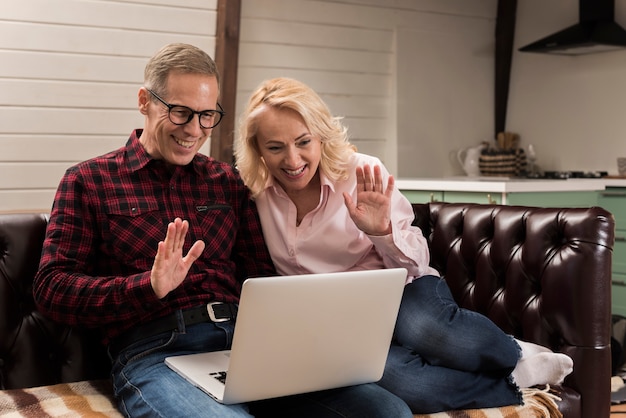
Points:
(140, 240)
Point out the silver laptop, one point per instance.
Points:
(298, 334)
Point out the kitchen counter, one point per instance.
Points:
(504, 184)
(507, 190)
(615, 182)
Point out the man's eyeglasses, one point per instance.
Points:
(181, 115)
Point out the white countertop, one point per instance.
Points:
(505, 185)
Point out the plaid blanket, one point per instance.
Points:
(68, 400)
(538, 403)
(94, 399)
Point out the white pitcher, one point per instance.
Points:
(468, 158)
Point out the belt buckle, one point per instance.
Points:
(212, 315)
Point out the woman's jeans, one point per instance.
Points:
(145, 386)
(444, 357)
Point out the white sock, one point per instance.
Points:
(542, 368)
(530, 349)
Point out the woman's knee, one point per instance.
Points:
(426, 307)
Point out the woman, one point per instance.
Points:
(325, 207)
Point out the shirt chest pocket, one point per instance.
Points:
(216, 225)
(135, 226)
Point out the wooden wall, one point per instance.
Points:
(413, 78)
(69, 75)
(70, 70)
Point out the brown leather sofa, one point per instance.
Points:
(541, 274)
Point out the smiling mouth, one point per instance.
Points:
(185, 144)
(295, 172)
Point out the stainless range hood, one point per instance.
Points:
(595, 32)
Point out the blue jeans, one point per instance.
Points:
(444, 357)
(145, 386)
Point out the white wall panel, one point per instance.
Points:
(60, 93)
(367, 129)
(477, 8)
(39, 200)
(367, 107)
(317, 34)
(316, 58)
(39, 37)
(381, 14)
(45, 147)
(445, 102)
(56, 121)
(70, 69)
(347, 50)
(324, 82)
(31, 175)
(69, 75)
(172, 17)
(187, 4)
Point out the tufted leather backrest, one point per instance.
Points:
(35, 351)
(542, 275)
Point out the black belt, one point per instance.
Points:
(213, 312)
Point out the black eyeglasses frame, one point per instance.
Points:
(192, 113)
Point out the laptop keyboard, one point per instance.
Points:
(221, 376)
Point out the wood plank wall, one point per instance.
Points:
(69, 75)
(70, 70)
(349, 52)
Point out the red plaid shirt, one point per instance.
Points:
(108, 216)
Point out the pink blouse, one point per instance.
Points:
(327, 239)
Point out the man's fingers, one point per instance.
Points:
(175, 235)
(170, 237)
(181, 233)
(194, 253)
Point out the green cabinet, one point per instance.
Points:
(613, 199)
(425, 196)
(570, 199)
(542, 199)
(471, 197)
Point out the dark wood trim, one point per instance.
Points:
(226, 58)
(505, 33)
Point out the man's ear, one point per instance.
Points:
(143, 99)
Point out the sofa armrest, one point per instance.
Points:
(34, 350)
(541, 274)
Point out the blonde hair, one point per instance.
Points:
(291, 94)
(177, 57)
